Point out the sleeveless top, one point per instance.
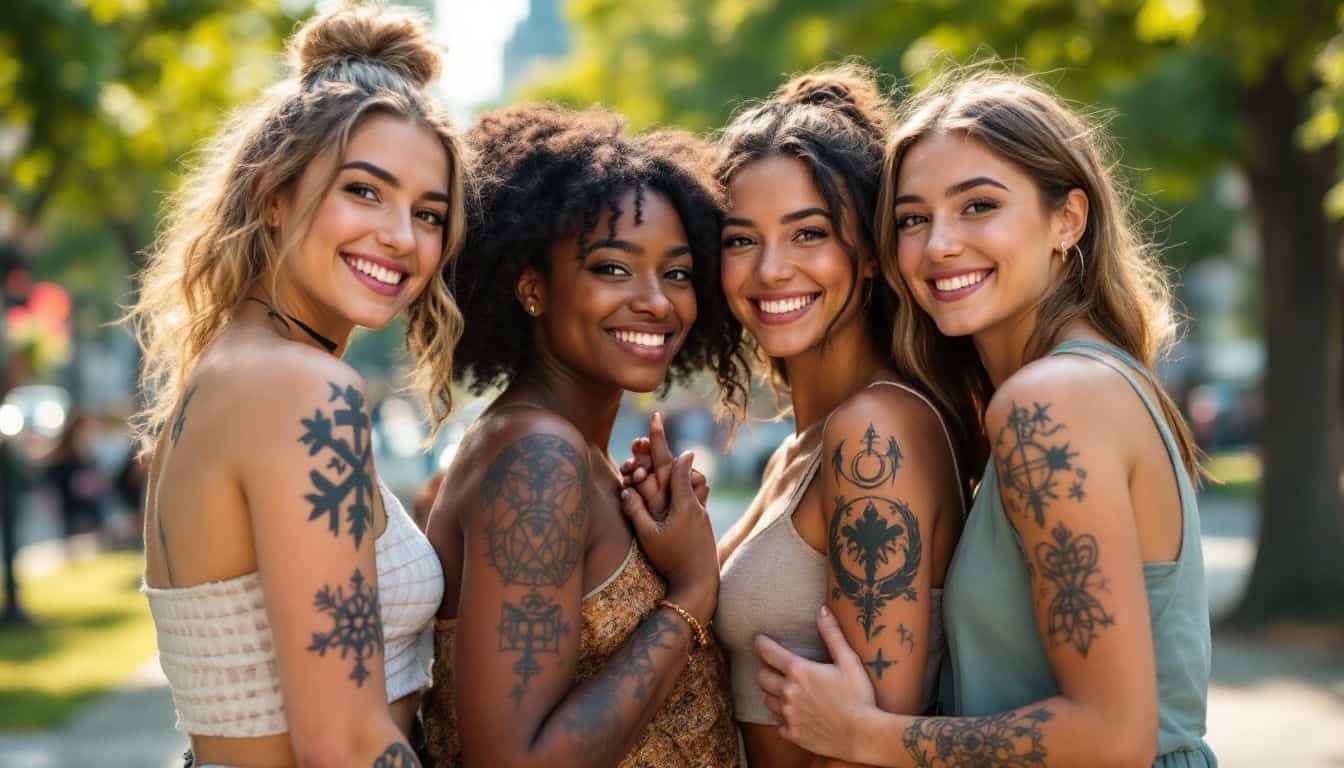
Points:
(217, 651)
(694, 727)
(997, 660)
(774, 582)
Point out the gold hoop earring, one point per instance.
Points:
(1079, 249)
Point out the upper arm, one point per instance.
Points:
(1064, 480)
(311, 494)
(519, 626)
(885, 480)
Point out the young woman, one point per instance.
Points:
(861, 509)
(1075, 609)
(288, 586)
(565, 638)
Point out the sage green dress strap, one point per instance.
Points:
(997, 661)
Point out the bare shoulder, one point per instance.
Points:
(1053, 386)
(888, 410)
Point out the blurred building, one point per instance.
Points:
(540, 37)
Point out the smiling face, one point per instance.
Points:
(787, 277)
(616, 308)
(377, 234)
(975, 243)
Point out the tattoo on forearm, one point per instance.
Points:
(181, 420)
(352, 487)
(397, 755)
(1005, 740)
(1030, 468)
(874, 554)
(1069, 565)
(357, 626)
(536, 494)
(595, 719)
(873, 465)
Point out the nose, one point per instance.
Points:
(396, 232)
(944, 240)
(650, 300)
(773, 265)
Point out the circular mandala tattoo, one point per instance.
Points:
(536, 499)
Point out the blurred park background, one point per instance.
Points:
(1227, 114)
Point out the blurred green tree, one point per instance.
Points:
(1199, 88)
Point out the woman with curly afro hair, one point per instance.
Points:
(571, 634)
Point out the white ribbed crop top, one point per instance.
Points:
(216, 649)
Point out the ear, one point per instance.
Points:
(275, 210)
(1071, 218)
(531, 292)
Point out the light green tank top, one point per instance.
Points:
(997, 659)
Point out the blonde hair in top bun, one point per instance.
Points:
(213, 245)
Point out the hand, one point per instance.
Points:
(650, 466)
(818, 706)
(680, 546)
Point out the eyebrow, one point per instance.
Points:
(955, 189)
(787, 218)
(610, 242)
(388, 178)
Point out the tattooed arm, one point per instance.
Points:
(312, 501)
(1064, 478)
(518, 631)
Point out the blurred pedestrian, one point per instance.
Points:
(71, 471)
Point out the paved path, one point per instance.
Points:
(1275, 701)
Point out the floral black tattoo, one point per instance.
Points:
(352, 486)
(397, 755)
(1029, 467)
(357, 627)
(535, 491)
(1069, 564)
(1006, 740)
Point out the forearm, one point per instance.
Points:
(1053, 733)
(598, 721)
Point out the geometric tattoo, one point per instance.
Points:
(869, 467)
(397, 755)
(535, 492)
(357, 487)
(1028, 467)
(1008, 739)
(181, 419)
(1070, 565)
(357, 627)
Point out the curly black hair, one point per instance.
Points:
(546, 173)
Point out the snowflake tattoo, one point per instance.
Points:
(352, 487)
(1029, 467)
(357, 627)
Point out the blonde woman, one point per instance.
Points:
(1075, 607)
(288, 587)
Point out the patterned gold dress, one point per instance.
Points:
(693, 729)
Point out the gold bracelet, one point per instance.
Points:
(701, 632)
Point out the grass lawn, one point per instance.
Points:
(93, 629)
(1238, 473)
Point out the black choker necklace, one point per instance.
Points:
(286, 318)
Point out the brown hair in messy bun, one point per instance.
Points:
(835, 120)
(214, 245)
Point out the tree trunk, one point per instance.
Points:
(1299, 568)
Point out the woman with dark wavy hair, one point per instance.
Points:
(571, 634)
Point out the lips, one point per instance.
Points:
(781, 309)
(956, 285)
(649, 344)
(379, 275)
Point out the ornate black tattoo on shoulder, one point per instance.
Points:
(176, 432)
(874, 545)
(352, 486)
(1068, 565)
(1005, 740)
(535, 492)
(357, 626)
(1032, 467)
(876, 463)
(397, 755)
(595, 719)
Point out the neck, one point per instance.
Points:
(295, 311)
(825, 376)
(589, 407)
(1003, 348)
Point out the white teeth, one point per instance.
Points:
(642, 339)
(380, 273)
(960, 281)
(780, 306)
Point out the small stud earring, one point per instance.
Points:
(531, 308)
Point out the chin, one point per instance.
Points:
(641, 383)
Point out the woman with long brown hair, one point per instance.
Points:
(1075, 607)
(288, 586)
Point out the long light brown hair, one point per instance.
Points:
(1112, 281)
(214, 246)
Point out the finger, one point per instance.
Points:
(829, 628)
(774, 655)
(632, 504)
(659, 449)
(700, 485)
(770, 681)
(679, 484)
(640, 455)
(776, 708)
(638, 475)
